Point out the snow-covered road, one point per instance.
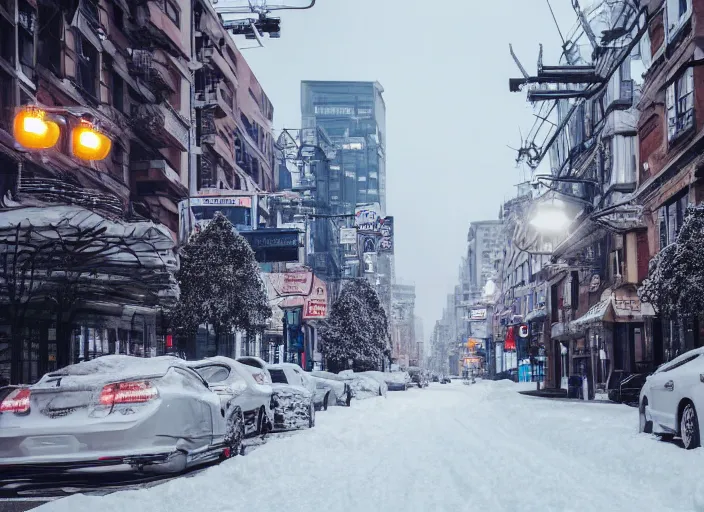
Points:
(445, 448)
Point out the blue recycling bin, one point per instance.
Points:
(524, 373)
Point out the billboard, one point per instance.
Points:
(367, 218)
(301, 289)
(197, 212)
(477, 314)
(386, 244)
(286, 284)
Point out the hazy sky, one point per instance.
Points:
(450, 116)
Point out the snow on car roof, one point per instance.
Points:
(690, 353)
(119, 366)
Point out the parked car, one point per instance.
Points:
(364, 385)
(294, 406)
(628, 389)
(672, 399)
(237, 386)
(116, 413)
(379, 379)
(418, 377)
(330, 391)
(397, 381)
(445, 379)
(511, 374)
(436, 377)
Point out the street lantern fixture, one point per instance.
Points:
(37, 128)
(550, 218)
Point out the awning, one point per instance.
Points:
(536, 314)
(597, 313)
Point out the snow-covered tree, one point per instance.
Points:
(357, 328)
(675, 282)
(220, 283)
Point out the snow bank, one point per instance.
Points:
(445, 448)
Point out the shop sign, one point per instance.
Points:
(259, 239)
(240, 201)
(477, 314)
(367, 218)
(316, 304)
(286, 284)
(523, 331)
(386, 244)
(348, 235)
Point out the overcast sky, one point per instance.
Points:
(449, 114)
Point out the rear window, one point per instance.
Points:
(278, 376)
(214, 374)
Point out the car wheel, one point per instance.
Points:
(262, 422)
(235, 431)
(325, 401)
(644, 424)
(311, 416)
(689, 427)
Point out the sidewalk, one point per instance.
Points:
(561, 395)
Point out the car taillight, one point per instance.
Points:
(17, 402)
(259, 378)
(128, 393)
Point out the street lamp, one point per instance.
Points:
(37, 128)
(550, 218)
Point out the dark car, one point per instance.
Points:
(628, 390)
(511, 374)
(436, 378)
(445, 380)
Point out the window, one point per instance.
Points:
(680, 104)
(90, 7)
(670, 220)
(215, 373)
(118, 92)
(26, 26)
(50, 42)
(678, 13)
(616, 262)
(173, 12)
(87, 70)
(278, 376)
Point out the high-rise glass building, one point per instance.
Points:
(353, 116)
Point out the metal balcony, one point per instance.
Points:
(161, 125)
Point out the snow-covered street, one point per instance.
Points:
(448, 447)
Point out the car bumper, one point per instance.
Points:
(37, 468)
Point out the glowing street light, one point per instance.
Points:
(550, 219)
(32, 129)
(87, 143)
(37, 128)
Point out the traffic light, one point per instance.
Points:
(33, 129)
(87, 143)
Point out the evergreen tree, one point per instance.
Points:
(675, 282)
(357, 328)
(220, 283)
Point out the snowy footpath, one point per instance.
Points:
(444, 448)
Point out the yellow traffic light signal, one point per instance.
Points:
(88, 143)
(33, 130)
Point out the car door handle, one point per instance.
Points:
(669, 385)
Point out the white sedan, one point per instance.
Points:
(236, 385)
(673, 397)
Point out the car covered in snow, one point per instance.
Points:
(418, 377)
(363, 385)
(292, 400)
(672, 399)
(116, 413)
(237, 386)
(398, 381)
(331, 389)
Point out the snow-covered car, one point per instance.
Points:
(237, 386)
(256, 362)
(292, 401)
(116, 413)
(379, 379)
(363, 386)
(418, 377)
(331, 390)
(397, 381)
(673, 397)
